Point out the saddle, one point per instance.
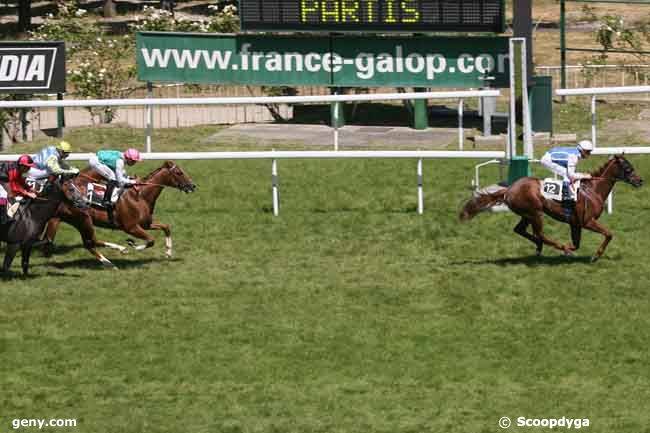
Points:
(552, 189)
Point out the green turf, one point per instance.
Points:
(347, 313)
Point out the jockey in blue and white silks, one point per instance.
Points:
(563, 162)
(48, 161)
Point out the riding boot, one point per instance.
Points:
(108, 202)
(567, 201)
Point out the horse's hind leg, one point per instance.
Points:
(597, 227)
(521, 229)
(168, 235)
(538, 226)
(10, 253)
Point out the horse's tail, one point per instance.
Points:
(482, 202)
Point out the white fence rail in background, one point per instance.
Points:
(582, 76)
(151, 102)
(603, 91)
(274, 156)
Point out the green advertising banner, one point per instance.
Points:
(365, 61)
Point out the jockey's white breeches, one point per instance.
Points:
(3, 193)
(102, 169)
(561, 171)
(37, 173)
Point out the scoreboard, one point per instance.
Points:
(373, 15)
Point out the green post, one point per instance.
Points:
(563, 47)
(420, 115)
(518, 168)
(60, 117)
(337, 113)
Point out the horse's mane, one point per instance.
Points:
(599, 171)
(150, 175)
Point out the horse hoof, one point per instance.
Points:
(594, 259)
(130, 242)
(124, 251)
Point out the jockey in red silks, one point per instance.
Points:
(14, 173)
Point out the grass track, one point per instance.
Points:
(348, 313)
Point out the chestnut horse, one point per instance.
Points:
(524, 197)
(133, 212)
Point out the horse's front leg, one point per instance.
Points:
(26, 253)
(576, 236)
(597, 227)
(168, 235)
(10, 253)
(140, 233)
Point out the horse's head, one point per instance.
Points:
(64, 187)
(177, 178)
(624, 171)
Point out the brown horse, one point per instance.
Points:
(524, 197)
(133, 212)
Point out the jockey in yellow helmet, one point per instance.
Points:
(50, 161)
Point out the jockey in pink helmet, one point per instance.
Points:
(110, 164)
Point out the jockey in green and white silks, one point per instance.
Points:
(49, 161)
(563, 161)
(110, 165)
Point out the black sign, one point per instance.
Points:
(32, 67)
(373, 15)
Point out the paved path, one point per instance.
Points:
(349, 136)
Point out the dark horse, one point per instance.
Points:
(524, 198)
(32, 217)
(133, 211)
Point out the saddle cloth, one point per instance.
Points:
(552, 189)
(95, 194)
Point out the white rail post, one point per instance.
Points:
(420, 190)
(149, 114)
(461, 134)
(593, 120)
(512, 118)
(274, 184)
(527, 122)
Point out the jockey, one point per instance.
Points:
(50, 161)
(110, 164)
(563, 161)
(14, 174)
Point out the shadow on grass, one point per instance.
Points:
(532, 260)
(18, 275)
(91, 263)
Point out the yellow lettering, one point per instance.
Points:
(327, 14)
(390, 18)
(415, 14)
(349, 9)
(369, 10)
(307, 7)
